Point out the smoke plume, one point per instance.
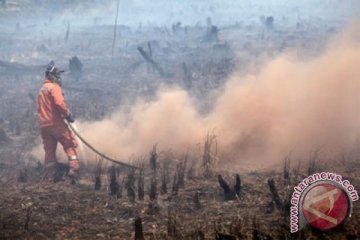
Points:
(290, 105)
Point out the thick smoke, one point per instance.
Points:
(290, 105)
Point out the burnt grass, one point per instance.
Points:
(174, 200)
(33, 209)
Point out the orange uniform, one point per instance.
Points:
(52, 111)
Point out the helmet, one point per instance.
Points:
(53, 74)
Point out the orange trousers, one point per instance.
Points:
(62, 134)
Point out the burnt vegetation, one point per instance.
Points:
(222, 206)
(170, 195)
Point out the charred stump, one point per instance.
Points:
(228, 193)
(181, 168)
(269, 22)
(27, 219)
(141, 183)
(139, 235)
(130, 185)
(175, 184)
(97, 174)
(222, 236)
(163, 183)
(197, 201)
(76, 68)
(212, 34)
(186, 76)
(23, 175)
(165, 178)
(257, 234)
(275, 194)
(199, 235)
(153, 188)
(286, 171)
(153, 159)
(172, 230)
(237, 187)
(4, 139)
(114, 184)
(97, 185)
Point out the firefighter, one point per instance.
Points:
(52, 112)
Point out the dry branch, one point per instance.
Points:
(67, 33)
(154, 64)
(209, 156)
(115, 29)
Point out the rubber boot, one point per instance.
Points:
(60, 171)
(73, 173)
(50, 170)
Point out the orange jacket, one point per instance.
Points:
(51, 106)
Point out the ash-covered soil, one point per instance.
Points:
(34, 209)
(186, 56)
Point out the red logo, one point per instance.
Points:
(325, 206)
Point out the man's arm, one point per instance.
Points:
(59, 101)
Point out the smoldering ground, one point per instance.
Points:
(290, 105)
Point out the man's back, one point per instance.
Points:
(51, 105)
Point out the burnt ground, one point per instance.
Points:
(188, 57)
(33, 209)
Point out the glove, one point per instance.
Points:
(70, 118)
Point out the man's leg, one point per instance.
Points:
(69, 143)
(50, 145)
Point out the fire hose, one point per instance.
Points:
(95, 150)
